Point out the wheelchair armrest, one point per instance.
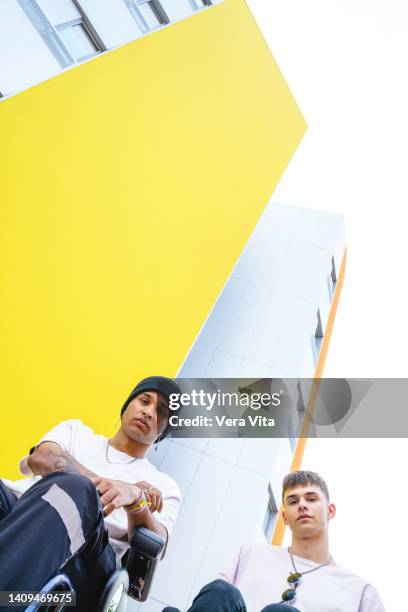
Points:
(146, 548)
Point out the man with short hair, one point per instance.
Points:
(269, 578)
(84, 489)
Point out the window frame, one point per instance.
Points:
(89, 30)
(271, 515)
(198, 5)
(157, 10)
(300, 404)
(48, 33)
(317, 338)
(332, 279)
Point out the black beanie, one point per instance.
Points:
(165, 386)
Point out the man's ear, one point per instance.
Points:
(284, 517)
(331, 511)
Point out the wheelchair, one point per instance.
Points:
(133, 580)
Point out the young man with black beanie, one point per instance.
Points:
(85, 496)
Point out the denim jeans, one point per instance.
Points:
(220, 596)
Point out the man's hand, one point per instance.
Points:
(153, 495)
(115, 494)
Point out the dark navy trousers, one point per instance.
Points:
(56, 526)
(221, 596)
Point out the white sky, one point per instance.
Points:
(346, 62)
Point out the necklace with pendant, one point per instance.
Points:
(295, 577)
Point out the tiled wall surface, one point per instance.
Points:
(262, 325)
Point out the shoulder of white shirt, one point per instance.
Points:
(170, 482)
(264, 547)
(81, 428)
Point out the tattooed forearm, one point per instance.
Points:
(47, 460)
(59, 461)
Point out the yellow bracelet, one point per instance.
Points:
(137, 507)
(132, 508)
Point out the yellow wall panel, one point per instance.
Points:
(129, 186)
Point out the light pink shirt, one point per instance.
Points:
(260, 572)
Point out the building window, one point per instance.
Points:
(153, 13)
(199, 4)
(271, 514)
(78, 39)
(300, 401)
(317, 339)
(332, 279)
(291, 435)
(69, 42)
(300, 414)
(148, 14)
(47, 32)
(294, 428)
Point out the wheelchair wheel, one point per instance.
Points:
(59, 583)
(114, 596)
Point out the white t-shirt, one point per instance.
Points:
(91, 450)
(260, 572)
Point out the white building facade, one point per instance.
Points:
(41, 38)
(268, 322)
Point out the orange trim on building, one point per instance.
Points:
(301, 445)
